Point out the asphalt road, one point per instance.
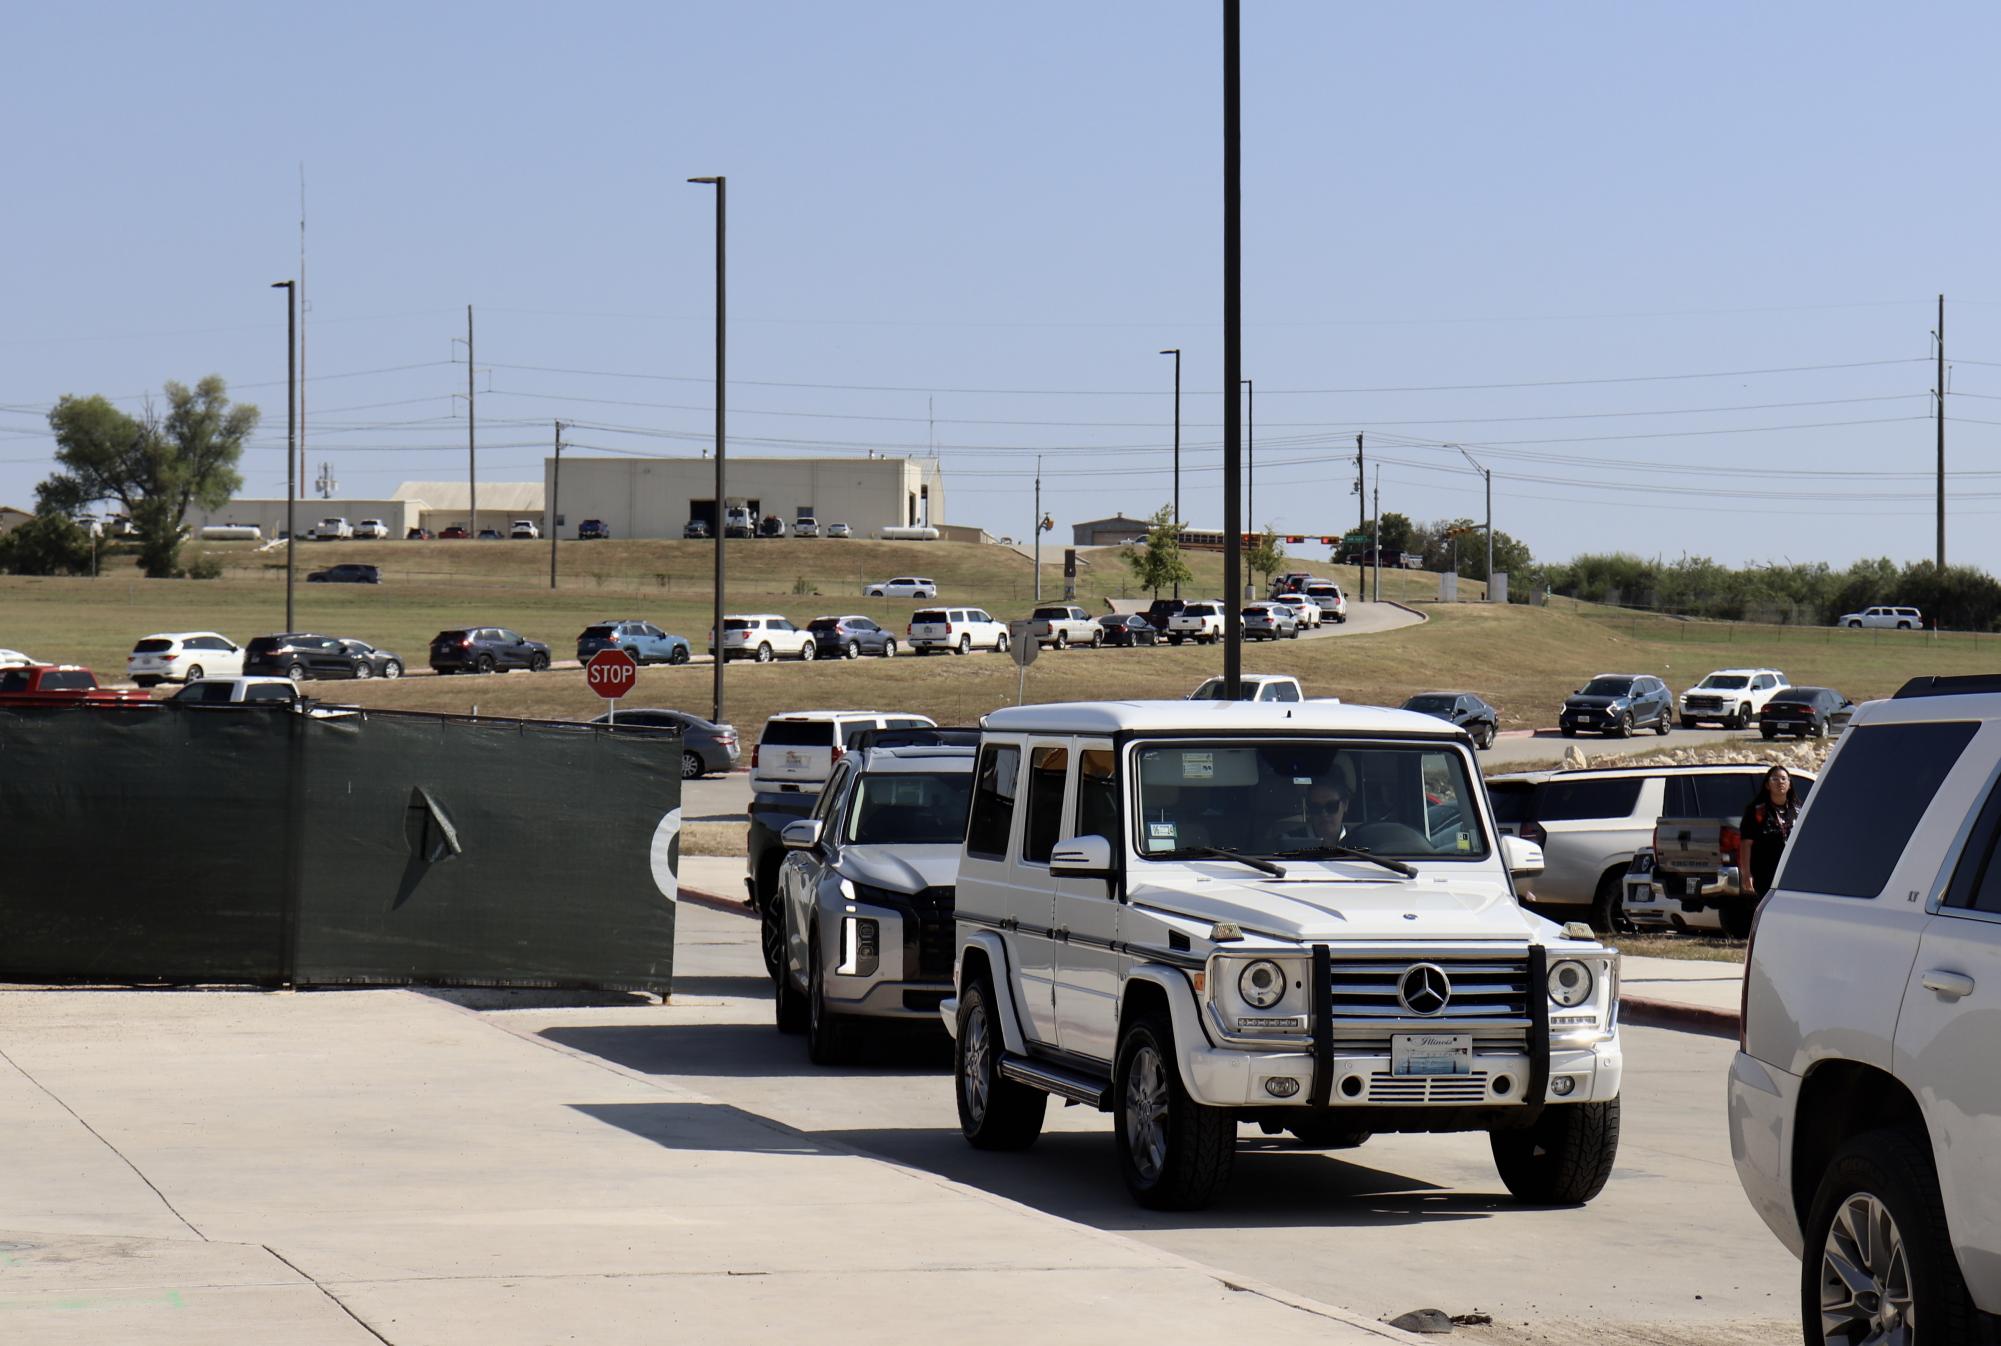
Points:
(1669, 1255)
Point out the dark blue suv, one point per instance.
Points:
(486, 649)
(1616, 704)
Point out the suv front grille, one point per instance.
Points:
(1483, 988)
(933, 934)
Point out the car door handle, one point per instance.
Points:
(1951, 985)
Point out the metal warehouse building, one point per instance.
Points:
(656, 497)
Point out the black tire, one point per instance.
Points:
(1903, 626)
(1564, 1158)
(1174, 640)
(1743, 720)
(296, 672)
(1855, 626)
(1174, 1153)
(1568, 732)
(1883, 1175)
(965, 645)
(1619, 729)
(485, 664)
(1736, 918)
(1666, 723)
(1768, 732)
(1486, 740)
(1816, 729)
(691, 766)
(852, 650)
(830, 1037)
(538, 663)
(995, 1113)
(1097, 637)
(1062, 640)
(889, 649)
(1688, 722)
(1608, 903)
(809, 652)
(364, 669)
(1000, 643)
(764, 653)
(195, 673)
(788, 1008)
(679, 656)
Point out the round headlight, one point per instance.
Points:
(1262, 984)
(1570, 984)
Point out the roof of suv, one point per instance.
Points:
(920, 757)
(1210, 717)
(847, 715)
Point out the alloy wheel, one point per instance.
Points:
(1146, 1112)
(1865, 1278)
(973, 1079)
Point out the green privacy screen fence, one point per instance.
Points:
(171, 844)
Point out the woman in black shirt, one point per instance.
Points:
(1764, 829)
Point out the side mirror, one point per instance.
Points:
(803, 834)
(1082, 858)
(1523, 858)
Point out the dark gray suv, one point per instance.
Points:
(1616, 704)
(486, 649)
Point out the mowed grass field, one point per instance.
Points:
(1522, 659)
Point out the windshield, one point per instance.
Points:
(1726, 682)
(1608, 687)
(1212, 690)
(1298, 798)
(824, 624)
(599, 632)
(910, 808)
(1430, 705)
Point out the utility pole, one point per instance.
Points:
(1176, 353)
(1361, 512)
(291, 290)
(1488, 474)
(1939, 392)
(472, 445)
(1251, 455)
(1233, 358)
(721, 185)
(1376, 538)
(1035, 526)
(555, 502)
(304, 308)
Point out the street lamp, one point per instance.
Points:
(1484, 472)
(291, 289)
(1175, 351)
(722, 500)
(1251, 455)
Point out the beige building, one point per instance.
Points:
(656, 497)
(12, 518)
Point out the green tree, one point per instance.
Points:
(1266, 554)
(1156, 563)
(1398, 532)
(48, 544)
(157, 467)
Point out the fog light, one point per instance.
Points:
(1562, 1086)
(1281, 1086)
(1502, 1084)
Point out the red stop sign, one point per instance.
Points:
(611, 673)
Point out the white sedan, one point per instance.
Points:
(904, 586)
(1304, 610)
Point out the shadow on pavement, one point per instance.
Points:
(743, 1051)
(728, 987)
(702, 1126)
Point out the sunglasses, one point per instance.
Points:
(1326, 805)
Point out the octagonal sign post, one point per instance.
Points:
(611, 674)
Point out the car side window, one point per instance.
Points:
(823, 807)
(1284, 691)
(1098, 794)
(1884, 779)
(992, 815)
(1047, 768)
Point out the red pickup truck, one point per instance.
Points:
(60, 685)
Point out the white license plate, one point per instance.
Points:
(1694, 887)
(795, 759)
(1431, 1054)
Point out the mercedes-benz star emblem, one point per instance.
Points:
(1425, 989)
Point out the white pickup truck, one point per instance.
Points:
(1064, 625)
(1731, 697)
(1201, 622)
(1193, 914)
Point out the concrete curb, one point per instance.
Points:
(1651, 1013)
(735, 906)
(1422, 617)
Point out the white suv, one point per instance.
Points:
(1201, 622)
(797, 751)
(371, 528)
(961, 630)
(183, 656)
(1731, 697)
(763, 636)
(1899, 619)
(1191, 914)
(1865, 1099)
(903, 586)
(333, 529)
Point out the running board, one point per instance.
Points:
(1069, 1084)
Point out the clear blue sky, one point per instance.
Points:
(1003, 212)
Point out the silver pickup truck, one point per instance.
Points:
(1695, 857)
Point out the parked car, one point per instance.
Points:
(1064, 625)
(642, 640)
(1591, 822)
(346, 573)
(763, 636)
(1303, 609)
(1730, 697)
(524, 530)
(1291, 582)
(1122, 944)
(332, 529)
(419, 535)
(1648, 907)
(373, 529)
(1268, 621)
(1327, 596)
(14, 658)
(797, 750)
(1128, 628)
(298, 656)
(850, 637)
(865, 894)
(236, 692)
(1862, 1105)
(957, 630)
(183, 656)
(59, 685)
(1899, 619)
(695, 529)
(1617, 704)
(772, 526)
(805, 526)
(1161, 610)
(1199, 621)
(707, 748)
(903, 586)
(1465, 709)
(1696, 845)
(486, 649)
(453, 532)
(1806, 712)
(489, 535)
(1252, 687)
(839, 530)
(738, 522)
(596, 530)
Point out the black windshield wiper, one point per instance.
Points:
(1351, 853)
(1225, 853)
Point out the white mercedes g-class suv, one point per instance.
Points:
(1192, 914)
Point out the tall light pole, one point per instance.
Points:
(291, 289)
(1233, 358)
(1036, 526)
(722, 501)
(1488, 474)
(1251, 455)
(1175, 351)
